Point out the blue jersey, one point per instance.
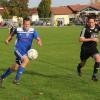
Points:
(24, 39)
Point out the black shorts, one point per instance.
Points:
(18, 59)
(88, 52)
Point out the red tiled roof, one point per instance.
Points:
(96, 6)
(1, 9)
(61, 10)
(77, 7)
(33, 11)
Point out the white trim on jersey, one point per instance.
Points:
(18, 53)
(20, 30)
(15, 41)
(83, 32)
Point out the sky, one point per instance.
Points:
(34, 3)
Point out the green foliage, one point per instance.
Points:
(5, 13)
(44, 9)
(4, 4)
(18, 8)
(15, 8)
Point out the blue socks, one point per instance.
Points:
(6, 73)
(9, 71)
(19, 73)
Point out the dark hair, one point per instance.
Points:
(91, 17)
(26, 19)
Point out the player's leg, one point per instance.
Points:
(21, 69)
(7, 73)
(84, 55)
(10, 69)
(96, 66)
(79, 67)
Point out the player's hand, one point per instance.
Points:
(39, 43)
(6, 42)
(95, 39)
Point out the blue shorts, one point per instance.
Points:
(19, 56)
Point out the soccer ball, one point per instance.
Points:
(32, 54)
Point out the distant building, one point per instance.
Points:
(34, 14)
(85, 9)
(1, 19)
(60, 15)
(64, 14)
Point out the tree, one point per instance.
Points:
(44, 9)
(15, 8)
(18, 8)
(4, 4)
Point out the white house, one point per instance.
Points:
(60, 15)
(1, 10)
(34, 15)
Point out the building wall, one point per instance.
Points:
(15, 19)
(1, 19)
(34, 17)
(56, 18)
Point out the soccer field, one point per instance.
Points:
(53, 75)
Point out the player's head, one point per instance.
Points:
(26, 23)
(91, 22)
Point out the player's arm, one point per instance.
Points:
(39, 41)
(9, 38)
(83, 39)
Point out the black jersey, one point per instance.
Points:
(90, 33)
(12, 29)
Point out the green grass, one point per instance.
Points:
(53, 75)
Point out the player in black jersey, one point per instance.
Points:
(89, 37)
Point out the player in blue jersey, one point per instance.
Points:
(24, 39)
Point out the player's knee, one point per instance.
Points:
(25, 61)
(97, 57)
(14, 69)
